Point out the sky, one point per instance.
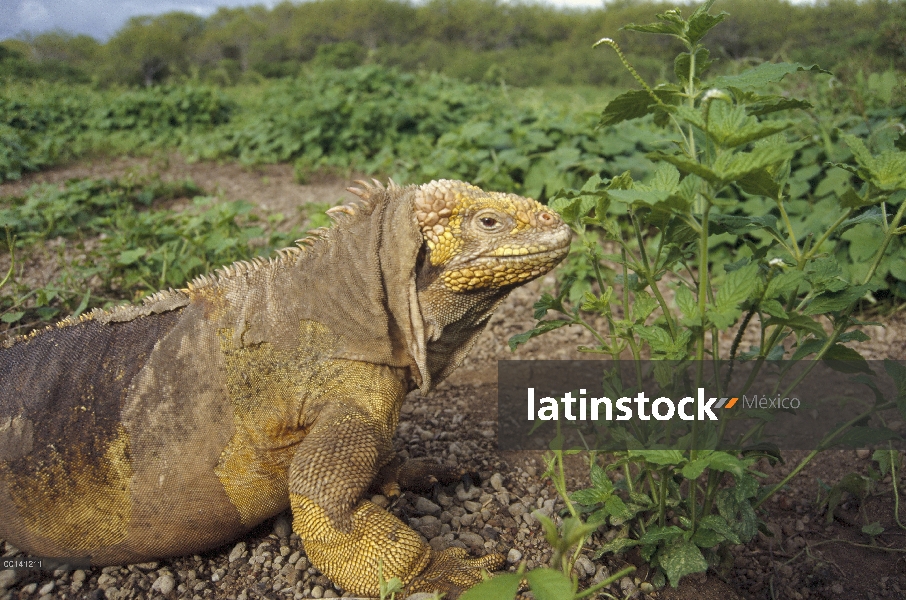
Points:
(101, 18)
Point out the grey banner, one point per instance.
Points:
(760, 406)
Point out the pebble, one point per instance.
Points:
(517, 509)
(587, 567)
(425, 506)
(863, 453)
(629, 587)
(472, 507)
(236, 552)
(282, 526)
(497, 482)
(317, 592)
(472, 540)
(46, 588)
(163, 584)
(513, 556)
(8, 578)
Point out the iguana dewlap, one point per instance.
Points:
(175, 426)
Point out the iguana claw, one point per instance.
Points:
(453, 571)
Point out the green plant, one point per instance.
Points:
(567, 539)
(111, 243)
(732, 140)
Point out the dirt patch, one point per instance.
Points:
(272, 188)
(805, 555)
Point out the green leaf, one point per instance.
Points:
(859, 437)
(681, 559)
(885, 458)
(637, 103)
(12, 317)
(548, 584)
(873, 529)
(694, 469)
(719, 524)
(736, 288)
(760, 183)
(540, 328)
(128, 257)
(500, 587)
(837, 300)
(846, 360)
(683, 63)
(687, 304)
(763, 74)
(590, 496)
(722, 461)
(658, 534)
(599, 479)
(619, 512)
(616, 546)
(660, 457)
(701, 22)
(641, 307)
(658, 338)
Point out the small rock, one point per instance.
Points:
(601, 574)
(628, 587)
(317, 592)
(236, 552)
(79, 575)
(646, 587)
(282, 526)
(46, 588)
(425, 506)
(517, 509)
(472, 540)
(863, 453)
(29, 589)
(586, 566)
(513, 556)
(380, 500)
(8, 578)
(472, 507)
(497, 482)
(112, 593)
(164, 584)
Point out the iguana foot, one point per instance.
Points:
(420, 475)
(452, 572)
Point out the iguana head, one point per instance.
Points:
(477, 240)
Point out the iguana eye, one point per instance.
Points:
(488, 222)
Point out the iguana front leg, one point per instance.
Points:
(347, 537)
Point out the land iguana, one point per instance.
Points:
(177, 425)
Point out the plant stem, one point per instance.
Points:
(615, 577)
(825, 443)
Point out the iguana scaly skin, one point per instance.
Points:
(175, 426)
